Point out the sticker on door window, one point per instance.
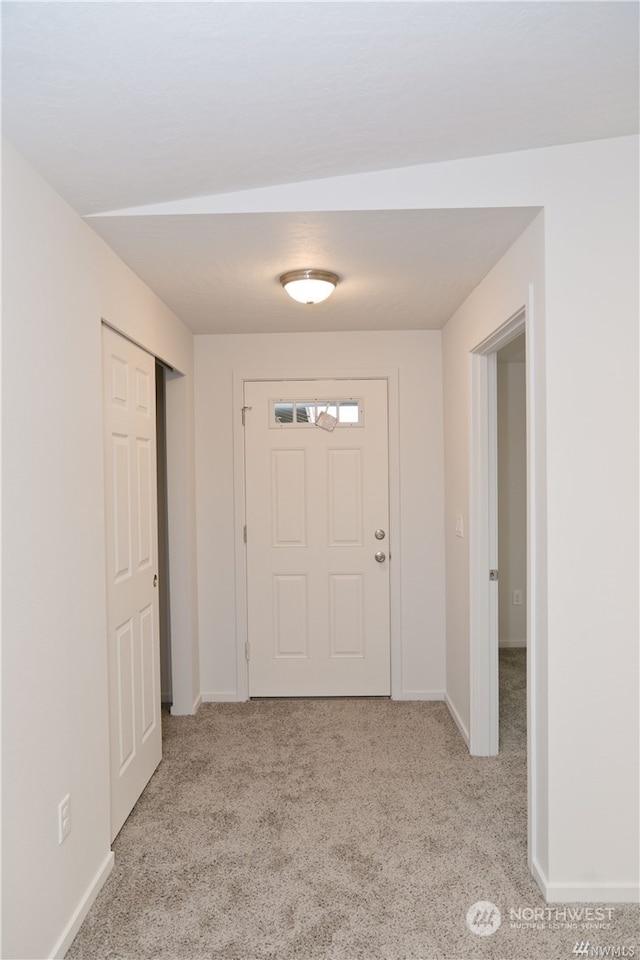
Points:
(327, 414)
(327, 421)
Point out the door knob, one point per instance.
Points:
(155, 579)
(380, 556)
(379, 534)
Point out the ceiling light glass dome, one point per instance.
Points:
(309, 286)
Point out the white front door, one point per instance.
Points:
(317, 514)
(132, 596)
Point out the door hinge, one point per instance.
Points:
(244, 533)
(244, 411)
(493, 574)
(247, 651)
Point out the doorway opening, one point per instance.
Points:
(286, 376)
(512, 543)
(483, 524)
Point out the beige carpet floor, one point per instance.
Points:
(337, 829)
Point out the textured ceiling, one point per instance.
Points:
(132, 103)
(120, 105)
(401, 269)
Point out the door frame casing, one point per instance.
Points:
(390, 374)
(483, 478)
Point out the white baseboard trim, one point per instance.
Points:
(593, 893)
(464, 733)
(420, 695)
(220, 696)
(510, 644)
(538, 876)
(79, 914)
(193, 709)
(585, 892)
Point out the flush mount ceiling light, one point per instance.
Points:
(309, 286)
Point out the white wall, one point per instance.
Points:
(501, 295)
(512, 502)
(584, 429)
(59, 281)
(584, 405)
(418, 544)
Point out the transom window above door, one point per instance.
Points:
(305, 413)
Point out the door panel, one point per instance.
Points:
(318, 601)
(346, 615)
(288, 499)
(344, 497)
(290, 616)
(132, 598)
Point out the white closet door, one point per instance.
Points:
(132, 595)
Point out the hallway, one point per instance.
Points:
(335, 829)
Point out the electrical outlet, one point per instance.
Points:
(517, 598)
(64, 818)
